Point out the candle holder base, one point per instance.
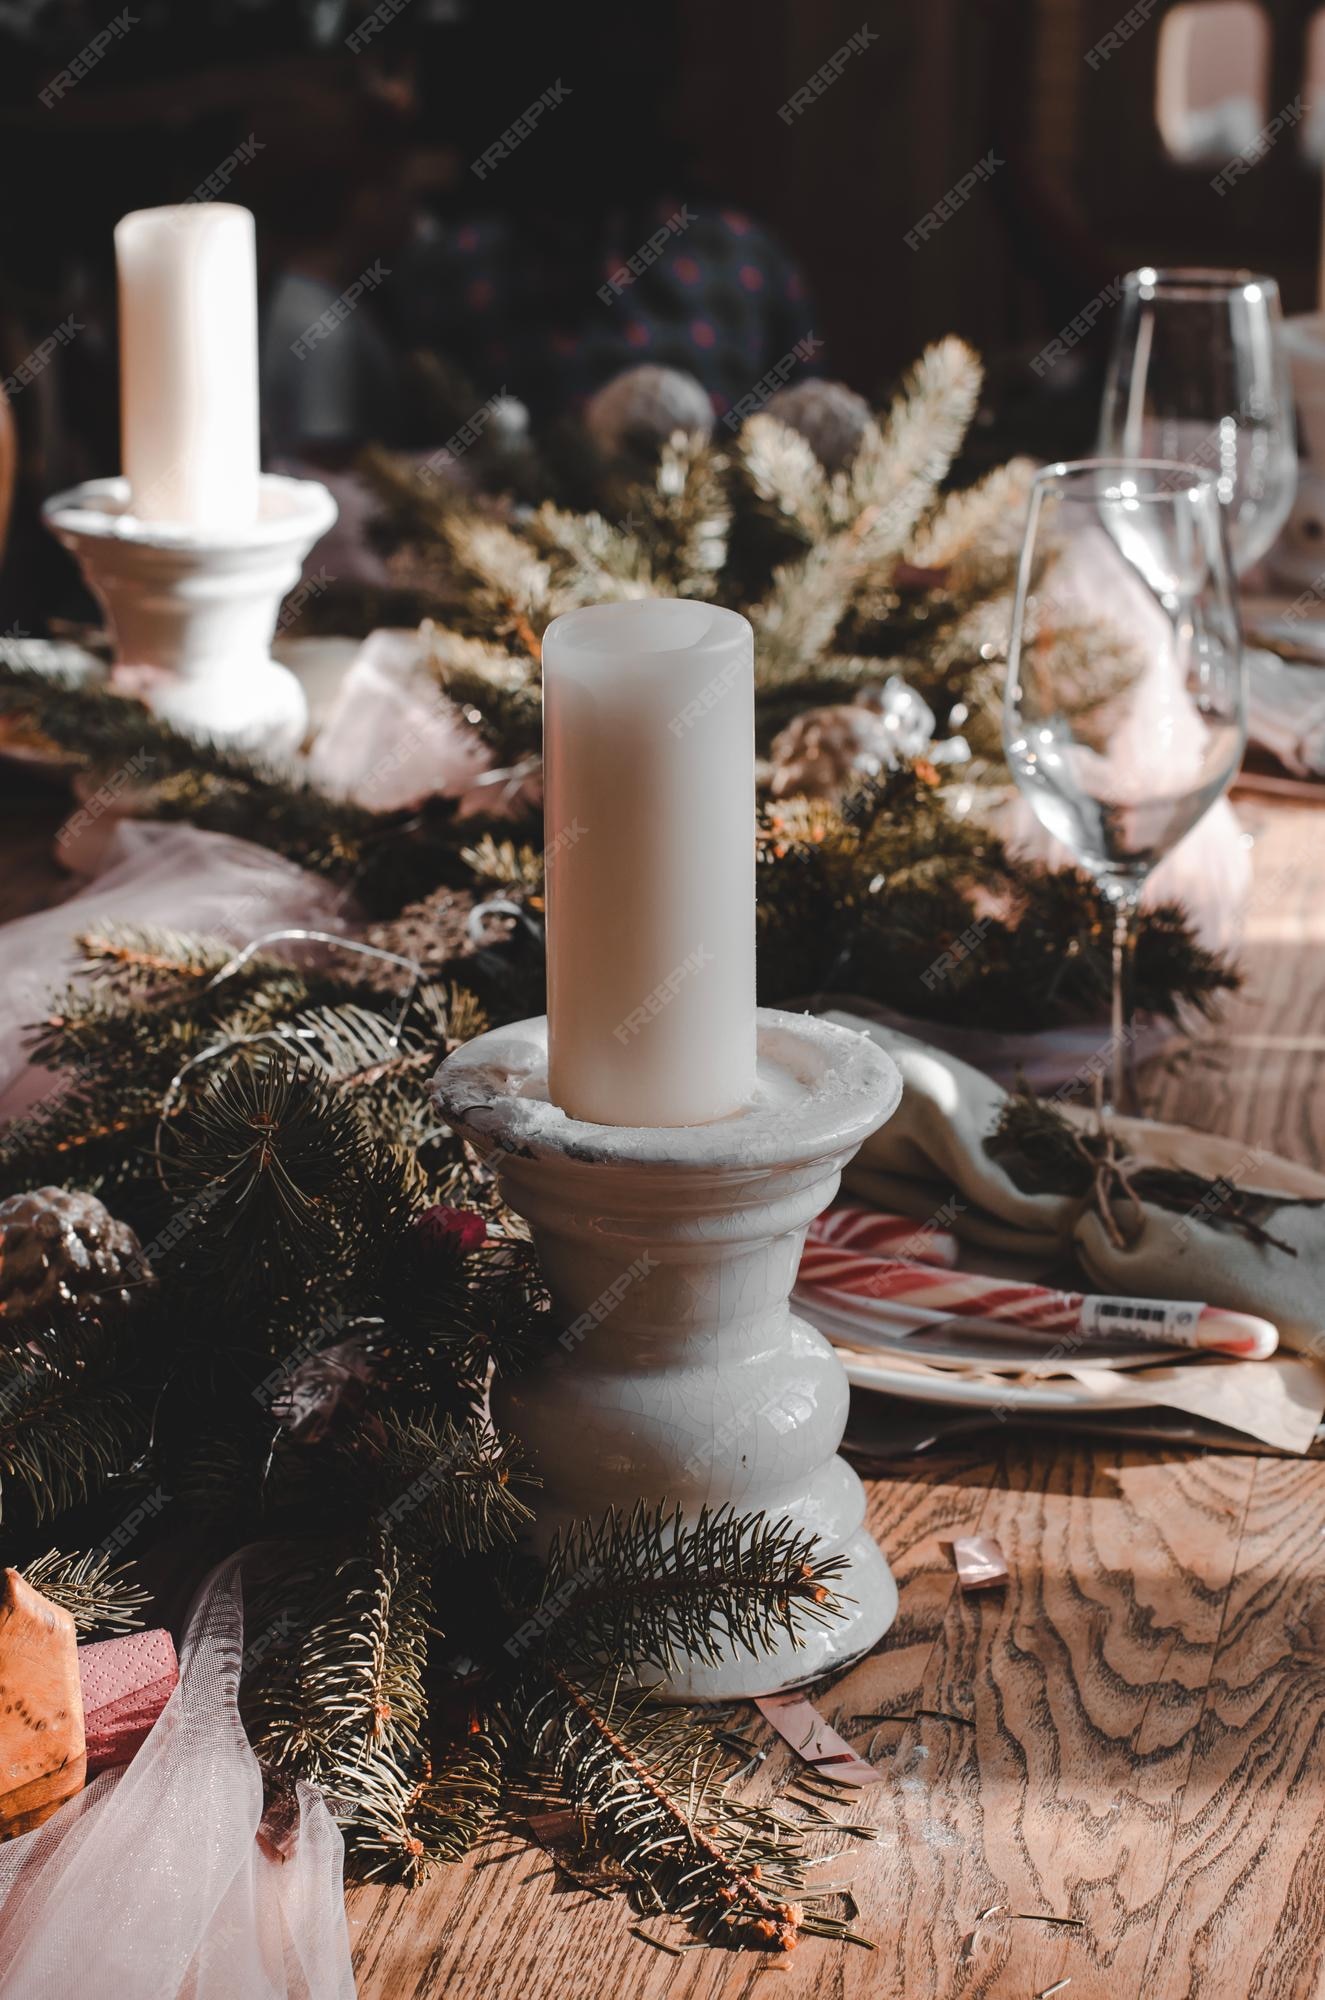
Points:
(678, 1374)
(192, 614)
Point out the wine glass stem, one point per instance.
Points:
(1124, 897)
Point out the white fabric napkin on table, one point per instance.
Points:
(1286, 711)
(930, 1161)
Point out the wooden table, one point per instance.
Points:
(1137, 1723)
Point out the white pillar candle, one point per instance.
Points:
(189, 365)
(648, 721)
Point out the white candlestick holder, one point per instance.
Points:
(678, 1372)
(192, 614)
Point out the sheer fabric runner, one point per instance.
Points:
(150, 1884)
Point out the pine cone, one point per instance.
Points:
(636, 412)
(830, 417)
(59, 1249)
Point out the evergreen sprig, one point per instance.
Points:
(68, 1421)
(655, 1783)
(386, 857)
(99, 1594)
(446, 1485)
(652, 1585)
(1045, 1152)
(895, 898)
(337, 1695)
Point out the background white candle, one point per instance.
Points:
(648, 725)
(189, 364)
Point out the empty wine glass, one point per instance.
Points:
(1125, 710)
(1198, 373)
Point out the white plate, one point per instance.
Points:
(942, 1385)
(887, 1370)
(912, 1333)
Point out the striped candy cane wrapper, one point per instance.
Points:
(892, 1283)
(870, 1232)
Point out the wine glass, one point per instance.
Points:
(1198, 373)
(1125, 710)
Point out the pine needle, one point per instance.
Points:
(99, 1595)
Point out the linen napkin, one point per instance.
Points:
(1286, 711)
(929, 1161)
(126, 1683)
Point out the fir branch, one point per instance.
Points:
(98, 1594)
(498, 691)
(785, 478)
(655, 1783)
(66, 1426)
(341, 1703)
(444, 1486)
(387, 856)
(648, 1587)
(456, 1799)
(361, 1667)
(511, 583)
(898, 468)
(280, 1162)
(598, 562)
(212, 784)
(687, 517)
(990, 514)
(153, 961)
(1045, 1152)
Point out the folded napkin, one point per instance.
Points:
(125, 1683)
(1286, 711)
(929, 1161)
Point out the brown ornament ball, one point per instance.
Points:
(638, 411)
(830, 417)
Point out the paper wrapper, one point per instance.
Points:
(1280, 1401)
(800, 1724)
(126, 1683)
(981, 1563)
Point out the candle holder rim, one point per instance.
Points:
(855, 1087)
(97, 510)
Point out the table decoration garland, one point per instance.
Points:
(290, 1347)
(880, 601)
(307, 1280)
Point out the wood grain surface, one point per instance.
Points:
(1130, 1736)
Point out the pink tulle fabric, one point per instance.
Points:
(391, 738)
(176, 876)
(150, 1884)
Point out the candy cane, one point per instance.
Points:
(893, 1282)
(880, 1235)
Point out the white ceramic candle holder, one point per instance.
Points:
(193, 614)
(679, 1373)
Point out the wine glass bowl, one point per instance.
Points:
(1198, 373)
(1125, 705)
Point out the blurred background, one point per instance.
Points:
(834, 183)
